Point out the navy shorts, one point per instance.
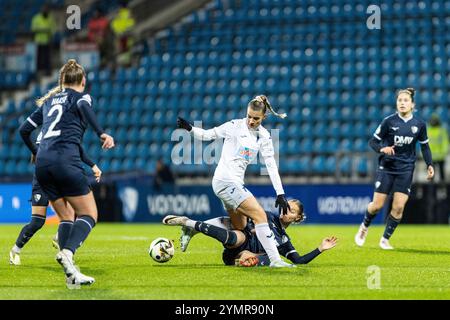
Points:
(229, 255)
(38, 196)
(388, 182)
(63, 180)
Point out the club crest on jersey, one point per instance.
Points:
(37, 197)
(414, 129)
(377, 184)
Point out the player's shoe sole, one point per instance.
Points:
(186, 235)
(55, 243)
(14, 258)
(173, 220)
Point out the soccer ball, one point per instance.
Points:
(161, 250)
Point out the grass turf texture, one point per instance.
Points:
(116, 255)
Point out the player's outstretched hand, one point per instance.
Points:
(183, 124)
(328, 243)
(388, 150)
(247, 259)
(430, 175)
(97, 172)
(108, 141)
(282, 203)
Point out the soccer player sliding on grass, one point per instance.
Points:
(242, 247)
(243, 140)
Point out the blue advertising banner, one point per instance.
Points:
(341, 204)
(14, 203)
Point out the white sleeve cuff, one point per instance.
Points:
(32, 122)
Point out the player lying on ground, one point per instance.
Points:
(243, 247)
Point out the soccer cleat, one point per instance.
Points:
(66, 263)
(360, 237)
(77, 280)
(384, 244)
(55, 242)
(173, 220)
(14, 258)
(281, 264)
(186, 235)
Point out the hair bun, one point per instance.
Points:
(71, 62)
(411, 90)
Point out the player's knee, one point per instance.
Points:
(231, 240)
(397, 211)
(375, 207)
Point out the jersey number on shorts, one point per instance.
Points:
(54, 133)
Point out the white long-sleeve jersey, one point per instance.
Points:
(241, 147)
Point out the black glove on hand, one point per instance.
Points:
(183, 124)
(282, 203)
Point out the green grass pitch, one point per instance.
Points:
(116, 255)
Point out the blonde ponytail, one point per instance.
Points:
(75, 76)
(48, 95)
(266, 102)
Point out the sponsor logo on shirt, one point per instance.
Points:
(247, 153)
(401, 140)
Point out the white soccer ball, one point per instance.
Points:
(161, 250)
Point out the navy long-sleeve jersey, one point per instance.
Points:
(403, 134)
(64, 118)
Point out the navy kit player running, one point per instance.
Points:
(243, 139)
(243, 248)
(65, 113)
(39, 200)
(395, 140)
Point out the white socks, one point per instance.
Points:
(16, 249)
(267, 239)
(190, 223)
(68, 253)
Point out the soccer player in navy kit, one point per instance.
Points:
(395, 140)
(65, 112)
(244, 247)
(39, 200)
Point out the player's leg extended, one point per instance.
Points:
(394, 218)
(252, 209)
(38, 214)
(372, 209)
(229, 238)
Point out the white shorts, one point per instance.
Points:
(231, 194)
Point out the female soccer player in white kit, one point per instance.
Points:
(243, 138)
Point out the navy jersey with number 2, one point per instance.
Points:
(63, 127)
